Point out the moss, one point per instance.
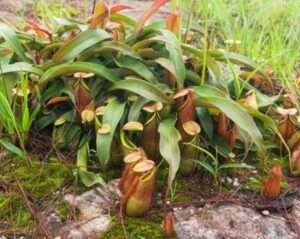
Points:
(63, 209)
(137, 228)
(13, 211)
(40, 180)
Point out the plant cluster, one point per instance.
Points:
(114, 88)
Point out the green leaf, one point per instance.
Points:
(213, 96)
(206, 121)
(175, 55)
(168, 65)
(7, 116)
(268, 121)
(235, 166)
(142, 88)
(12, 148)
(193, 77)
(11, 38)
(135, 109)
(83, 41)
(207, 166)
(222, 55)
(82, 157)
(121, 18)
(136, 66)
(262, 99)
(68, 68)
(112, 116)
(90, 179)
(169, 146)
(235, 58)
(110, 47)
(20, 67)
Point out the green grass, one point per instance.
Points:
(267, 30)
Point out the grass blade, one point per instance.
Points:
(11, 38)
(12, 148)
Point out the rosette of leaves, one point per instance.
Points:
(128, 58)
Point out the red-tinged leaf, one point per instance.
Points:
(172, 23)
(100, 14)
(151, 11)
(40, 31)
(119, 7)
(57, 100)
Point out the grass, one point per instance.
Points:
(266, 29)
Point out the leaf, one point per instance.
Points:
(110, 47)
(193, 77)
(45, 121)
(169, 146)
(136, 66)
(68, 68)
(20, 67)
(11, 38)
(173, 23)
(112, 116)
(262, 99)
(222, 55)
(151, 11)
(235, 58)
(83, 41)
(101, 12)
(207, 166)
(12, 148)
(82, 157)
(120, 18)
(167, 64)
(213, 96)
(206, 121)
(235, 165)
(175, 55)
(90, 179)
(119, 7)
(142, 88)
(7, 116)
(268, 121)
(135, 109)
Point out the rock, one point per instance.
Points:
(233, 221)
(265, 213)
(94, 208)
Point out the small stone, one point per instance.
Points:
(265, 213)
(229, 180)
(236, 182)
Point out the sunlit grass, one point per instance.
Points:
(266, 29)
